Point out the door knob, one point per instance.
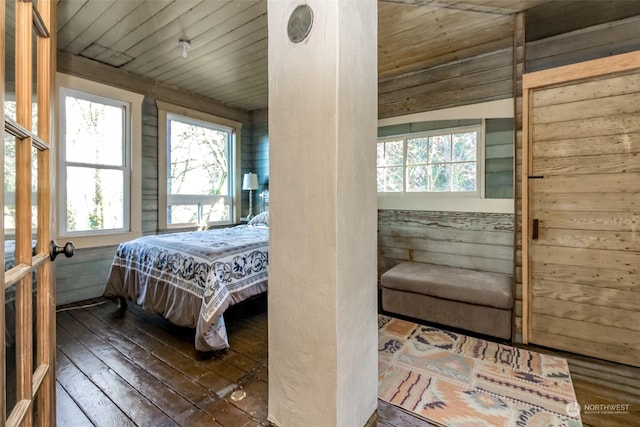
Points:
(55, 250)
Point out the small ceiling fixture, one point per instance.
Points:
(184, 45)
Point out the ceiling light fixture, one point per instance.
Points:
(184, 45)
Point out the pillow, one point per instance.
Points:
(260, 219)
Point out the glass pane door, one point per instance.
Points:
(27, 300)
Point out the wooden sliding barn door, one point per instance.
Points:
(27, 303)
(582, 207)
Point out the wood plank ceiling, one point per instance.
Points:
(227, 58)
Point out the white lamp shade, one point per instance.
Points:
(250, 181)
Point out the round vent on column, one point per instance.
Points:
(300, 23)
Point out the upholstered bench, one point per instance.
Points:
(477, 301)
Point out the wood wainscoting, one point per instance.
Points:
(478, 241)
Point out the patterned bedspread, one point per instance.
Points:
(191, 278)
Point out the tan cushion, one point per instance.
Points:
(458, 284)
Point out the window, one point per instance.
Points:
(95, 142)
(198, 166)
(10, 214)
(99, 183)
(391, 166)
(434, 162)
(198, 181)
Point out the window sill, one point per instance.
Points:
(444, 202)
(183, 228)
(98, 240)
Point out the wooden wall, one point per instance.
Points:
(149, 166)
(84, 275)
(467, 81)
(519, 60)
(259, 152)
(260, 146)
(246, 166)
(498, 157)
(582, 45)
(478, 241)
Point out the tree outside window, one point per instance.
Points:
(198, 178)
(436, 162)
(95, 141)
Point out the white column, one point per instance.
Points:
(323, 233)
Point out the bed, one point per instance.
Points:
(192, 278)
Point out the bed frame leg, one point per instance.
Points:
(122, 304)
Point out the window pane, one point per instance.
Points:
(392, 179)
(9, 183)
(464, 147)
(93, 132)
(9, 32)
(215, 212)
(440, 177)
(463, 177)
(380, 147)
(393, 155)
(34, 194)
(10, 110)
(11, 349)
(94, 199)
(417, 151)
(34, 84)
(381, 175)
(198, 213)
(440, 149)
(417, 178)
(198, 160)
(182, 214)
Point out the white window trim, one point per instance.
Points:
(134, 229)
(452, 202)
(501, 109)
(166, 109)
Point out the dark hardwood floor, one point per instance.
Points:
(134, 368)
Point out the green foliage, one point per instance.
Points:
(438, 163)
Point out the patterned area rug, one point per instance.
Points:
(456, 380)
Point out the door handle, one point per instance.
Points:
(54, 250)
(534, 232)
